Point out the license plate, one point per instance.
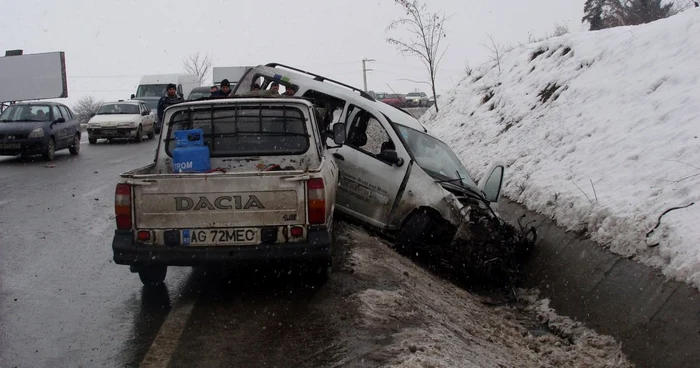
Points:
(109, 132)
(238, 236)
(10, 146)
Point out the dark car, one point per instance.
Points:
(198, 93)
(28, 128)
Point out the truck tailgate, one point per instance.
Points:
(220, 201)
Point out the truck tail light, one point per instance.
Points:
(317, 201)
(122, 206)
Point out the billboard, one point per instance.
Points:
(33, 77)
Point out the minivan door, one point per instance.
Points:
(372, 167)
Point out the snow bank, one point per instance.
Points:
(600, 131)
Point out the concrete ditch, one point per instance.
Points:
(656, 320)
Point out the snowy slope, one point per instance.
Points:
(600, 131)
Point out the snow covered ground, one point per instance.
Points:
(600, 131)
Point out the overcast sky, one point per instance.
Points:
(109, 45)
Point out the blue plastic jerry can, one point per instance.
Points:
(190, 153)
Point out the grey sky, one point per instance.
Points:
(330, 37)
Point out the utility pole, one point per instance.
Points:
(365, 70)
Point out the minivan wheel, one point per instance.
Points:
(413, 232)
(153, 275)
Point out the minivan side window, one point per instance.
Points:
(366, 133)
(329, 107)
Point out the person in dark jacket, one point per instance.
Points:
(171, 98)
(224, 91)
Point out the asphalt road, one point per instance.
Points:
(64, 303)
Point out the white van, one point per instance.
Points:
(153, 87)
(394, 175)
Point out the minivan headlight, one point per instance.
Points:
(36, 133)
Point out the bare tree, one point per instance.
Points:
(426, 31)
(496, 51)
(199, 65)
(86, 108)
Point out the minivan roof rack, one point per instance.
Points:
(321, 78)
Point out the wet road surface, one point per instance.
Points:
(64, 303)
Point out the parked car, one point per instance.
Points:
(270, 197)
(123, 119)
(393, 99)
(198, 93)
(28, 128)
(416, 99)
(394, 175)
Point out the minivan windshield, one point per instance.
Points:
(435, 157)
(245, 130)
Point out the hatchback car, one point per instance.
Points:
(123, 119)
(28, 128)
(396, 100)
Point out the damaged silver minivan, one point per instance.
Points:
(394, 175)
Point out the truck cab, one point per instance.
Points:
(269, 194)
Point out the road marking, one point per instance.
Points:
(163, 347)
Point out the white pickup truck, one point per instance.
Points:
(269, 194)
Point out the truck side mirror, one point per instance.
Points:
(133, 96)
(339, 133)
(491, 187)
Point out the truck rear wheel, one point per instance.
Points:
(153, 275)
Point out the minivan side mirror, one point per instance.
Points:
(144, 113)
(339, 133)
(491, 184)
(391, 157)
(60, 120)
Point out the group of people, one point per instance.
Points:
(171, 97)
(274, 90)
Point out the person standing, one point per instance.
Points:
(171, 98)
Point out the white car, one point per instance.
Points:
(123, 119)
(416, 99)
